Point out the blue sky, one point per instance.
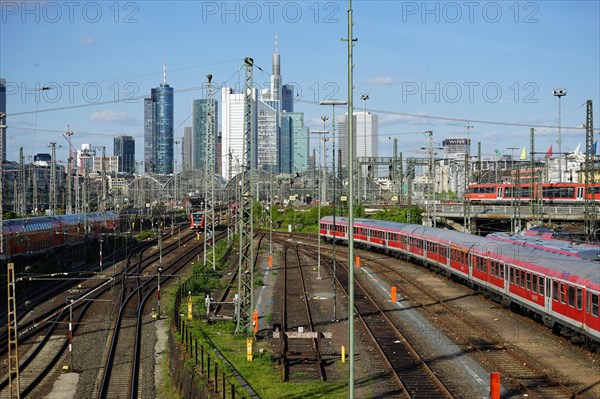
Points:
(476, 62)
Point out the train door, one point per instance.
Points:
(548, 296)
(580, 193)
(498, 193)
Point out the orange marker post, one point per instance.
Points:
(270, 260)
(393, 292)
(357, 262)
(495, 385)
(255, 321)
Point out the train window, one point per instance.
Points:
(555, 290)
(579, 298)
(522, 278)
(512, 275)
(541, 286)
(529, 281)
(501, 269)
(563, 293)
(571, 295)
(534, 284)
(595, 305)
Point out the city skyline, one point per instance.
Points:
(493, 71)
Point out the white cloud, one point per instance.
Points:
(87, 41)
(107, 116)
(381, 80)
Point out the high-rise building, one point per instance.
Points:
(293, 150)
(158, 129)
(124, 149)
(149, 136)
(3, 118)
(199, 124)
(366, 136)
(267, 129)
(268, 139)
(287, 98)
(232, 125)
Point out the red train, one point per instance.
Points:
(39, 234)
(552, 193)
(559, 290)
(197, 220)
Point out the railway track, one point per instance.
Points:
(519, 372)
(414, 377)
(300, 349)
(33, 362)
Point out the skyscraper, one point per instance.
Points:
(267, 111)
(124, 149)
(158, 129)
(287, 98)
(293, 150)
(3, 118)
(199, 122)
(366, 136)
(232, 122)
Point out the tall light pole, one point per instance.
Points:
(333, 103)
(364, 97)
(559, 93)
(323, 191)
(319, 132)
(514, 191)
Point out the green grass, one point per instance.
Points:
(166, 389)
(263, 373)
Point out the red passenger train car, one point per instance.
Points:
(559, 290)
(39, 234)
(197, 220)
(559, 193)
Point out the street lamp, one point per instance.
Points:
(559, 93)
(333, 103)
(319, 132)
(364, 97)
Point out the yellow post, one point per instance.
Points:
(343, 354)
(190, 306)
(198, 236)
(249, 349)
